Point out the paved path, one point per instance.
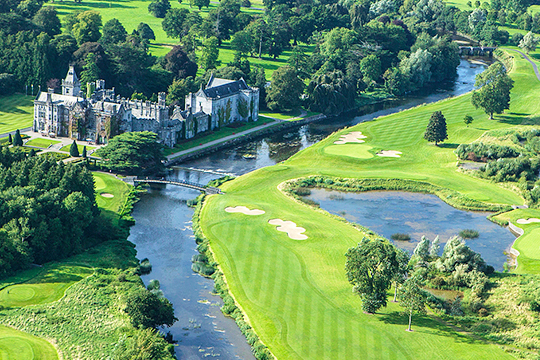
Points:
(223, 139)
(14, 131)
(535, 68)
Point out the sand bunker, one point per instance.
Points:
(107, 195)
(528, 221)
(244, 210)
(353, 137)
(389, 153)
(294, 232)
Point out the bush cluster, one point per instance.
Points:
(484, 152)
(503, 170)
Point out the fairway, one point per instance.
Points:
(295, 293)
(16, 112)
(48, 285)
(18, 345)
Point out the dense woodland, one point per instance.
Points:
(47, 210)
(356, 48)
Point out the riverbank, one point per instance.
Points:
(306, 289)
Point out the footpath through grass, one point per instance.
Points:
(295, 293)
(16, 112)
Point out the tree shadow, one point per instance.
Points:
(448, 145)
(511, 119)
(421, 324)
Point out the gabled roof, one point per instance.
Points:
(71, 76)
(213, 81)
(58, 99)
(225, 88)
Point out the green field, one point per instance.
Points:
(18, 345)
(16, 112)
(42, 143)
(79, 146)
(108, 184)
(295, 293)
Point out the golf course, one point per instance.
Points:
(296, 294)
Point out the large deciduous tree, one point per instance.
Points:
(47, 20)
(159, 8)
(370, 268)
(113, 32)
(285, 90)
(412, 297)
(134, 152)
(87, 27)
(529, 42)
(178, 62)
(146, 32)
(173, 23)
(494, 93)
(210, 53)
(436, 129)
(90, 71)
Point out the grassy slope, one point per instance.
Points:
(109, 184)
(16, 344)
(79, 146)
(16, 112)
(295, 292)
(48, 285)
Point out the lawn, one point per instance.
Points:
(109, 185)
(295, 293)
(16, 112)
(42, 143)
(79, 146)
(15, 344)
(45, 286)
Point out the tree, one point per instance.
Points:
(400, 270)
(113, 32)
(422, 249)
(47, 20)
(436, 129)
(210, 54)
(159, 8)
(146, 32)
(84, 155)
(494, 93)
(242, 43)
(457, 253)
(529, 42)
(285, 90)
(199, 3)
(370, 267)
(10, 139)
(17, 139)
(135, 152)
(86, 29)
(179, 89)
(90, 71)
(468, 119)
(143, 344)
(331, 93)
(417, 68)
(412, 297)
(148, 310)
(74, 149)
(371, 67)
(435, 248)
(177, 61)
(173, 23)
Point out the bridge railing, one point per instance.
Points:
(163, 180)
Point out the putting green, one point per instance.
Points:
(46, 286)
(358, 151)
(296, 293)
(18, 345)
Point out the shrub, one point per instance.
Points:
(504, 170)
(400, 237)
(485, 151)
(469, 234)
(145, 267)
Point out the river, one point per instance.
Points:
(163, 234)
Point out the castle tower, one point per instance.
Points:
(71, 84)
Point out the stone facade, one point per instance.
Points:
(103, 114)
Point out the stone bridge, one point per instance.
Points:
(476, 50)
(151, 180)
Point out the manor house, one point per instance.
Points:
(102, 114)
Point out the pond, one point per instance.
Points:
(391, 212)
